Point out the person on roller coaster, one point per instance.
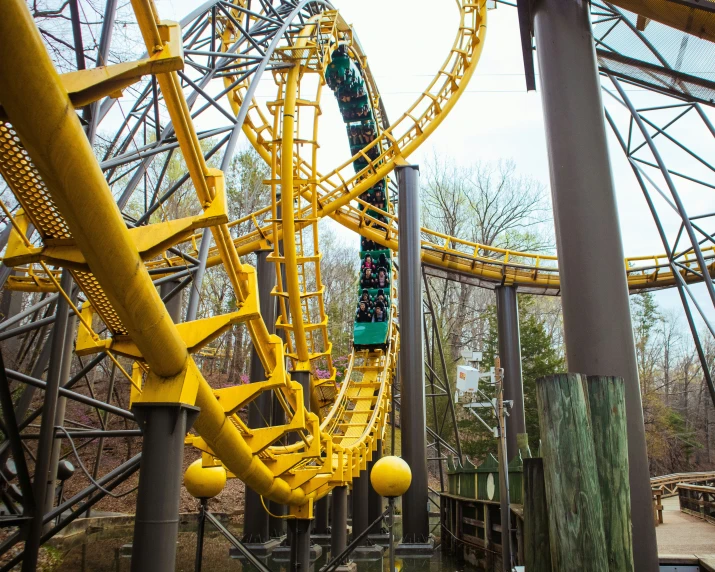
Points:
(365, 297)
(367, 244)
(379, 198)
(368, 263)
(380, 314)
(364, 314)
(381, 299)
(382, 280)
(368, 279)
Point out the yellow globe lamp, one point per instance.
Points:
(204, 482)
(391, 477)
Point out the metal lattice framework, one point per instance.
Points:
(205, 72)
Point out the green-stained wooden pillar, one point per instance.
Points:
(576, 531)
(607, 408)
(537, 555)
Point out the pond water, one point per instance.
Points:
(108, 551)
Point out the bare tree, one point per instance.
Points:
(490, 204)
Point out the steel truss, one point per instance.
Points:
(442, 433)
(135, 164)
(661, 138)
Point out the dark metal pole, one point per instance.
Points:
(200, 535)
(195, 292)
(47, 428)
(361, 486)
(299, 528)
(374, 500)
(510, 357)
(15, 443)
(256, 526)
(303, 377)
(61, 405)
(299, 532)
(157, 519)
(594, 292)
(339, 528)
(173, 304)
(105, 40)
(391, 506)
(322, 508)
(504, 508)
(163, 427)
(415, 527)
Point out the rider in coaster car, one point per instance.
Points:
(382, 261)
(367, 244)
(364, 314)
(380, 314)
(379, 198)
(381, 299)
(368, 279)
(382, 280)
(365, 297)
(368, 263)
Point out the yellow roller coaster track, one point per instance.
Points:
(50, 166)
(54, 175)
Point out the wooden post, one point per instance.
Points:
(575, 516)
(536, 518)
(522, 441)
(607, 409)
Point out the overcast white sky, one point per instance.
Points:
(406, 42)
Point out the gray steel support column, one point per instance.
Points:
(361, 486)
(277, 526)
(156, 524)
(415, 527)
(374, 500)
(299, 528)
(510, 355)
(594, 292)
(303, 377)
(299, 533)
(255, 525)
(10, 308)
(61, 407)
(47, 428)
(173, 306)
(320, 523)
(195, 290)
(339, 524)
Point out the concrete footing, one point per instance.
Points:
(258, 549)
(321, 539)
(282, 553)
(383, 538)
(368, 552)
(417, 550)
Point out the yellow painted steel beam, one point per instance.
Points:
(290, 249)
(62, 154)
(63, 157)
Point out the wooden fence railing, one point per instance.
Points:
(670, 482)
(698, 500)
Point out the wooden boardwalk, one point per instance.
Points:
(682, 534)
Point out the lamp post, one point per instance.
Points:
(203, 483)
(391, 477)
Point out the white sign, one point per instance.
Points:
(467, 379)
